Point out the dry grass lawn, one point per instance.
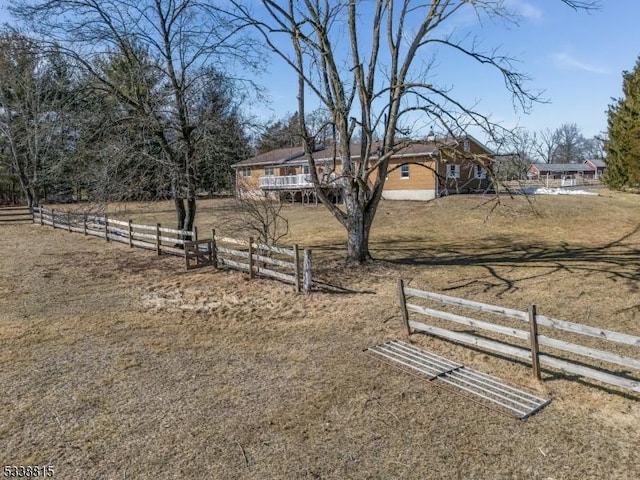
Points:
(117, 364)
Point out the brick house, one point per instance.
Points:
(421, 171)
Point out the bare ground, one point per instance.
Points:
(117, 364)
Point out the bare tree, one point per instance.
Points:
(523, 143)
(368, 64)
(514, 155)
(594, 147)
(173, 40)
(260, 216)
(570, 148)
(34, 92)
(548, 142)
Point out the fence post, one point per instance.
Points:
(533, 338)
(250, 257)
(41, 218)
(403, 305)
(296, 270)
(106, 227)
(306, 271)
(158, 250)
(69, 222)
(214, 248)
(195, 234)
(84, 224)
(130, 233)
(210, 251)
(187, 249)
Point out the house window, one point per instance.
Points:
(246, 171)
(404, 171)
(269, 171)
(479, 172)
(305, 169)
(467, 145)
(453, 170)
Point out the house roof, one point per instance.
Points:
(562, 167)
(295, 155)
(597, 163)
(277, 156)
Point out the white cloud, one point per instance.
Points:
(525, 9)
(565, 60)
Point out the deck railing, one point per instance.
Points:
(296, 181)
(284, 181)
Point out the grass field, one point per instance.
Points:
(118, 364)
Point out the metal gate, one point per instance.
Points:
(475, 385)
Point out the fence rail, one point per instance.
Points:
(531, 336)
(133, 234)
(258, 259)
(15, 215)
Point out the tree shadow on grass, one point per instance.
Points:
(326, 287)
(619, 260)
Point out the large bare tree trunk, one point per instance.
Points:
(29, 189)
(358, 229)
(181, 211)
(358, 220)
(190, 215)
(33, 198)
(185, 213)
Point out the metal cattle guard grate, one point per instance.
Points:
(476, 385)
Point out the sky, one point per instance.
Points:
(576, 58)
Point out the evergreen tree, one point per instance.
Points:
(284, 133)
(623, 146)
(220, 127)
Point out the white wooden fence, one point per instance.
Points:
(151, 237)
(257, 259)
(533, 339)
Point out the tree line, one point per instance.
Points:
(145, 98)
(120, 100)
(67, 135)
(564, 144)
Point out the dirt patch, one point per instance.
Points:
(116, 363)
